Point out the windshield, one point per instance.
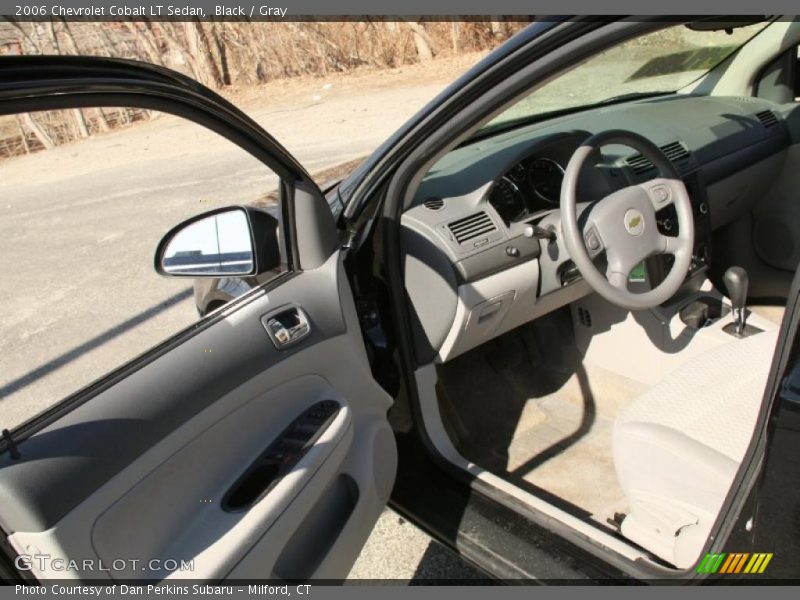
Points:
(659, 62)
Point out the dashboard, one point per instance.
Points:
(472, 268)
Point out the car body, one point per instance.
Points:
(389, 315)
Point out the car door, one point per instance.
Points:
(220, 454)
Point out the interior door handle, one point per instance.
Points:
(287, 326)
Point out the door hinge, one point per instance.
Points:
(11, 445)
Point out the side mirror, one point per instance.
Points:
(227, 242)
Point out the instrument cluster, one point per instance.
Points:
(530, 186)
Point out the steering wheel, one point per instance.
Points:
(623, 224)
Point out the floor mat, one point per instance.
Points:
(527, 409)
(569, 455)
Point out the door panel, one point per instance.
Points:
(166, 502)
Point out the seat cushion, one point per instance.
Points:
(714, 399)
(677, 447)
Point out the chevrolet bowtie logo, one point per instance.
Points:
(634, 222)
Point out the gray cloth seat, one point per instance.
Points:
(677, 448)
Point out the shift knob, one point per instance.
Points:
(735, 280)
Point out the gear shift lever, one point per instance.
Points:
(735, 280)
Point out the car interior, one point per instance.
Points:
(609, 381)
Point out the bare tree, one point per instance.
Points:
(79, 120)
(31, 44)
(200, 53)
(37, 130)
(22, 134)
(144, 36)
(424, 43)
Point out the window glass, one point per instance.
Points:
(86, 196)
(662, 61)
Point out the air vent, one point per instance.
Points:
(767, 118)
(433, 204)
(471, 227)
(639, 164)
(674, 151)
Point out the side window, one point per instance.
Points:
(86, 196)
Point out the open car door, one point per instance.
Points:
(252, 445)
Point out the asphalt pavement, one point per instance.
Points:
(397, 550)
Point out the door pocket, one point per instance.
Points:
(280, 457)
(316, 536)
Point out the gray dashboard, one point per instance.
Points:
(710, 128)
(464, 229)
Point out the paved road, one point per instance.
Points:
(399, 550)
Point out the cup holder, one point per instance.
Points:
(703, 312)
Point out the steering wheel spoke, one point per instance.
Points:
(622, 261)
(668, 245)
(617, 279)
